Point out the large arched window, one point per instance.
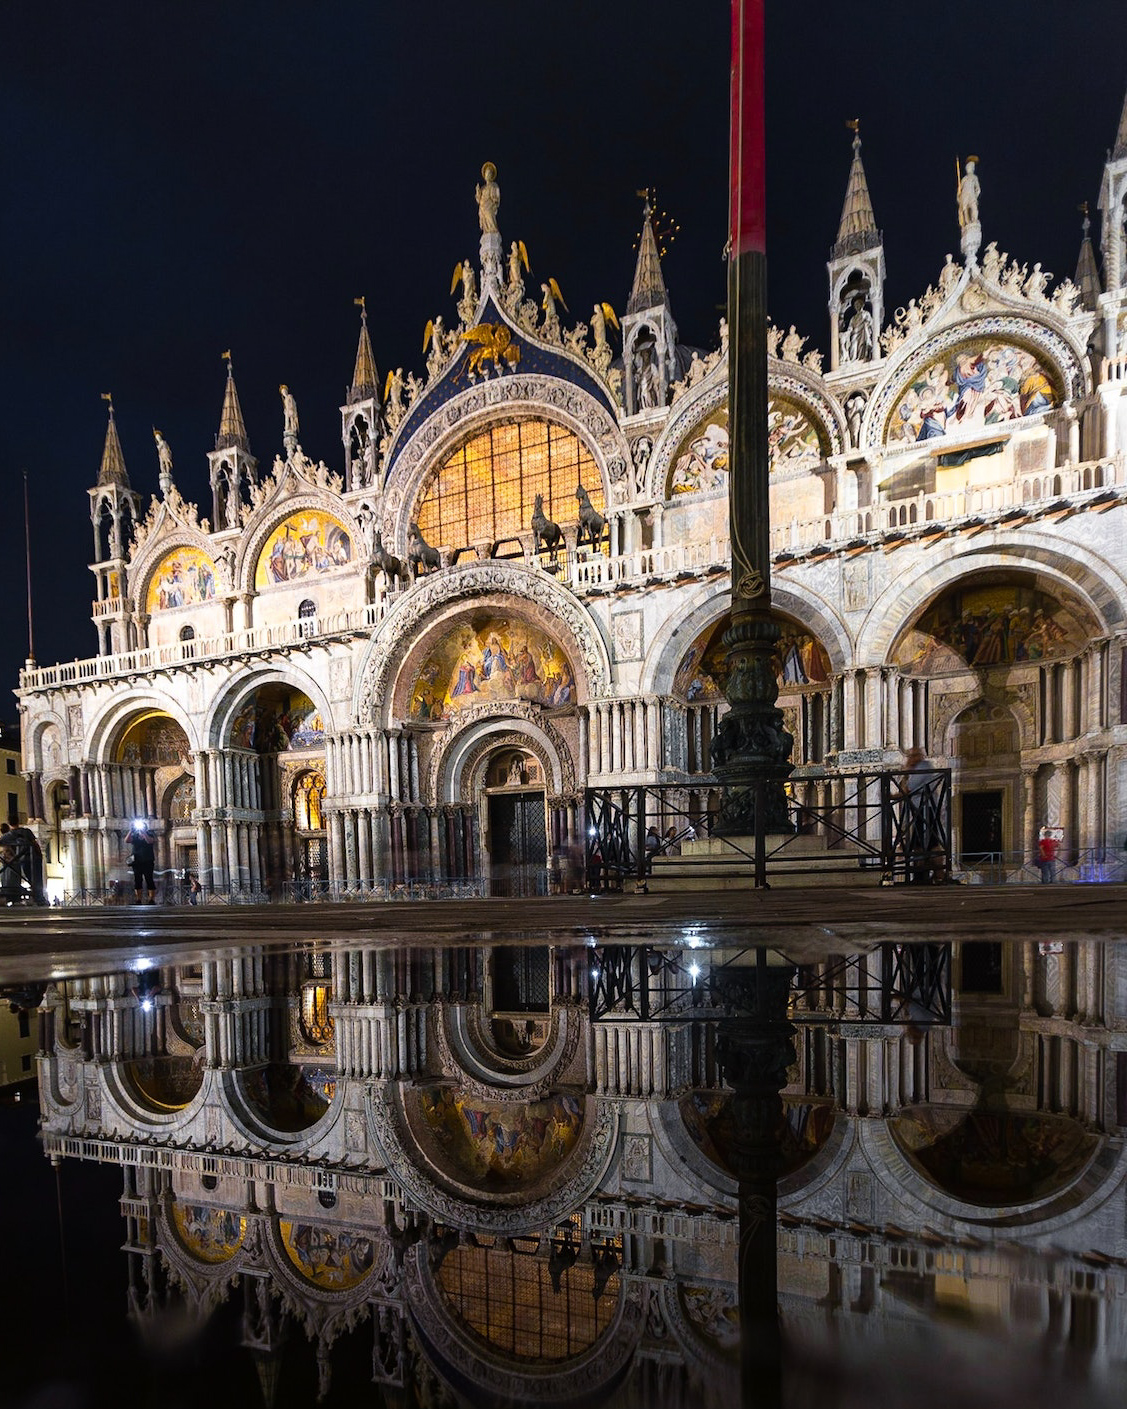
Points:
(486, 491)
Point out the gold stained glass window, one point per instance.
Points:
(486, 491)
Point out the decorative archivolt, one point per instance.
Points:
(481, 731)
(461, 585)
(234, 695)
(121, 710)
(795, 385)
(514, 396)
(1049, 344)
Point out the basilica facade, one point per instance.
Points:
(411, 668)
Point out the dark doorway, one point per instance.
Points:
(518, 847)
(315, 863)
(982, 822)
(520, 980)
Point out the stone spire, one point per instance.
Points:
(232, 430)
(857, 230)
(364, 378)
(1120, 148)
(113, 461)
(649, 284)
(1087, 270)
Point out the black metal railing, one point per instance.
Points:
(886, 821)
(893, 984)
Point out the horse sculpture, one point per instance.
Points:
(387, 562)
(419, 552)
(547, 532)
(591, 522)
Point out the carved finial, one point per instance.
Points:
(108, 396)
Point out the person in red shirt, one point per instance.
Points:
(1047, 848)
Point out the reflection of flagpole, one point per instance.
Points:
(27, 559)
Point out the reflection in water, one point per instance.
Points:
(553, 1219)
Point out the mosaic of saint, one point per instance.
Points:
(304, 545)
(332, 1258)
(182, 578)
(211, 1234)
(800, 659)
(491, 658)
(702, 461)
(984, 626)
(276, 723)
(155, 740)
(974, 385)
(506, 1144)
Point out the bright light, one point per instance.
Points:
(146, 1005)
(592, 831)
(694, 972)
(594, 973)
(140, 965)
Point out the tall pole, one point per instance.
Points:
(752, 749)
(30, 662)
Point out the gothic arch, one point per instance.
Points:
(230, 698)
(517, 396)
(791, 599)
(441, 596)
(1099, 586)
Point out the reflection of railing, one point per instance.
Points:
(1093, 865)
(897, 823)
(367, 891)
(892, 984)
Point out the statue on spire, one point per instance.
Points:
(967, 194)
(164, 455)
(488, 198)
(290, 421)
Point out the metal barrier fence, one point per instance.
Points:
(887, 820)
(1095, 865)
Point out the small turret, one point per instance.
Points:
(233, 468)
(360, 415)
(1112, 193)
(649, 334)
(1087, 270)
(114, 510)
(856, 271)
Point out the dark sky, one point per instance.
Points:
(185, 176)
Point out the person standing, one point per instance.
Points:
(141, 860)
(1048, 846)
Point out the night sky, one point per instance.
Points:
(182, 178)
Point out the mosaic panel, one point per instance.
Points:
(800, 659)
(491, 658)
(331, 1258)
(308, 544)
(210, 1234)
(503, 1145)
(182, 578)
(988, 626)
(972, 386)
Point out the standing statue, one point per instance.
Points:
(164, 455)
(968, 192)
(859, 333)
(518, 256)
(488, 198)
(289, 411)
(854, 412)
(393, 397)
(601, 315)
(468, 304)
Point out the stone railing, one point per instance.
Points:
(951, 506)
(583, 574)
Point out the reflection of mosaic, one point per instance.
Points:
(974, 385)
(491, 659)
(715, 1313)
(211, 1234)
(505, 1144)
(182, 578)
(994, 1157)
(800, 659)
(332, 1258)
(156, 740)
(291, 1097)
(985, 626)
(707, 1116)
(305, 545)
(702, 459)
(273, 724)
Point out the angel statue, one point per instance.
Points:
(464, 275)
(488, 198)
(552, 296)
(601, 315)
(518, 255)
(393, 397)
(434, 338)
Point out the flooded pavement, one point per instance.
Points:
(511, 1172)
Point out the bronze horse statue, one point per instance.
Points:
(388, 562)
(419, 552)
(591, 522)
(547, 532)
